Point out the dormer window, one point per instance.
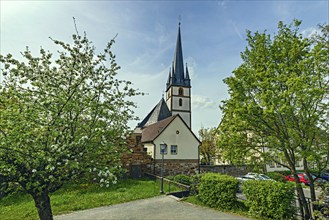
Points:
(180, 91)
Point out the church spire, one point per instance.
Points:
(178, 75)
(178, 58)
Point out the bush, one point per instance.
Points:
(183, 179)
(321, 206)
(270, 199)
(277, 176)
(218, 191)
(170, 178)
(195, 182)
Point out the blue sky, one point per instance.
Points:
(213, 35)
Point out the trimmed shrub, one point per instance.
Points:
(270, 199)
(183, 179)
(277, 176)
(170, 178)
(195, 182)
(218, 191)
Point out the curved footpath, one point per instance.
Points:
(160, 207)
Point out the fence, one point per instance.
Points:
(180, 194)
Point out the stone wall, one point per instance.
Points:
(174, 167)
(138, 159)
(137, 155)
(231, 170)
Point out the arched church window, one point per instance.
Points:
(180, 102)
(180, 91)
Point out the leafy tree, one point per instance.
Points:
(208, 148)
(278, 105)
(62, 120)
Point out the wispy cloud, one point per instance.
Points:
(191, 65)
(203, 102)
(236, 30)
(222, 3)
(282, 9)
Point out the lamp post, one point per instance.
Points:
(163, 147)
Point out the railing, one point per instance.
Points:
(183, 193)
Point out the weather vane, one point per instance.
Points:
(179, 20)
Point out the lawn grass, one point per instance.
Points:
(80, 196)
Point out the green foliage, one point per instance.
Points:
(208, 148)
(218, 191)
(195, 182)
(270, 199)
(278, 107)
(277, 100)
(321, 206)
(170, 178)
(63, 118)
(277, 176)
(183, 179)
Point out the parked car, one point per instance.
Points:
(302, 178)
(254, 176)
(323, 176)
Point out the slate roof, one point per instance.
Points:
(177, 77)
(158, 113)
(151, 132)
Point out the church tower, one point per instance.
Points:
(178, 87)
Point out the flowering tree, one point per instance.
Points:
(62, 120)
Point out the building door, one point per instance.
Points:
(136, 171)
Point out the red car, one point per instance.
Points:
(302, 178)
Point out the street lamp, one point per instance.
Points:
(163, 147)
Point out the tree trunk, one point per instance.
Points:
(303, 206)
(42, 203)
(309, 176)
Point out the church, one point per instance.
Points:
(169, 124)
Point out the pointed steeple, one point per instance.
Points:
(178, 76)
(187, 74)
(169, 78)
(178, 58)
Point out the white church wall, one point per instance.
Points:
(185, 116)
(178, 134)
(186, 91)
(185, 103)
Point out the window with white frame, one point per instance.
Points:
(173, 149)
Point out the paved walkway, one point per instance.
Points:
(160, 207)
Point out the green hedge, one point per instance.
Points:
(218, 191)
(277, 176)
(270, 199)
(183, 179)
